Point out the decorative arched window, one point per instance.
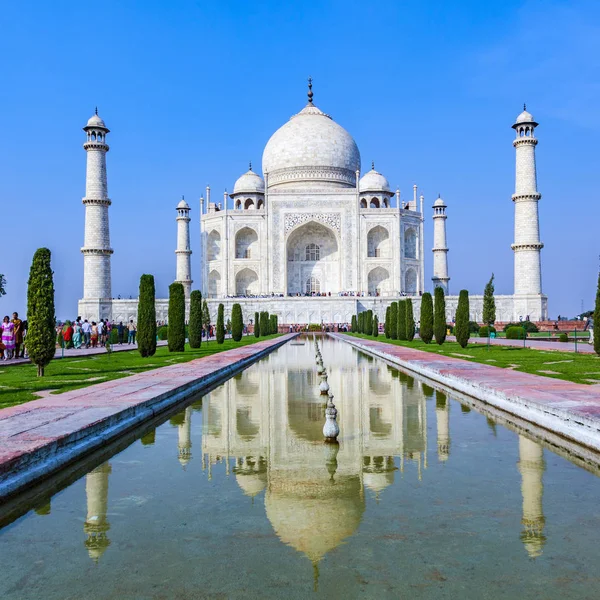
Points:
(261, 204)
(363, 203)
(313, 252)
(238, 204)
(313, 286)
(374, 203)
(249, 204)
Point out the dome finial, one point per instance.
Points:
(524, 106)
(372, 165)
(96, 111)
(250, 166)
(310, 92)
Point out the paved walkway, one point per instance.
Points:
(569, 409)
(538, 344)
(42, 436)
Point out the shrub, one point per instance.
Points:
(401, 321)
(195, 325)
(529, 326)
(176, 333)
(256, 324)
(473, 327)
(486, 330)
(221, 324)
(489, 303)
(41, 336)
(515, 333)
(163, 332)
(461, 330)
(563, 337)
(237, 322)
(375, 326)
(439, 316)
(394, 321)
(146, 325)
(426, 327)
(410, 321)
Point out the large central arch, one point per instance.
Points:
(312, 254)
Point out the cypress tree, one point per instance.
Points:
(369, 330)
(439, 316)
(353, 324)
(401, 320)
(206, 319)
(272, 324)
(386, 325)
(410, 321)
(394, 321)
(146, 325)
(176, 331)
(375, 326)
(195, 325)
(597, 319)
(489, 304)
(41, 337)
(461, 328)
(256, 325)
(237, 322)
(221, 324)
(362, 316)
(426, 325)
(359, 322)
(264, 323)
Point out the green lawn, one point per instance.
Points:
(20, 383)
(579, 368)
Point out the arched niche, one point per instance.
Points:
(410, 243)
(214, 284)
(410, 281)
(246, 283)
(213, 247)
(378, 242)
(246, 243)
(378, 281)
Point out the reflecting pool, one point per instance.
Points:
(237, 496)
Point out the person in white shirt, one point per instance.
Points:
(87, 333)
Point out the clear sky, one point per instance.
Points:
(192, 90)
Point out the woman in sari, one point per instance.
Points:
(94, 337)
(77, 335)
(8, 337)
(67, 334)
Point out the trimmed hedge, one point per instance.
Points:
(485, 331)
(256, 324)
(237, 322)
(375, 326)
(354, 324)
(439, 316)
(529, 326)
(426, 327)
(195, 326)
(221, 324)
(386, 325)
(563, 337)
(461, 329)
(176, 331)
(515, 333)
(401, 321)
(410, 321)
(394, 321)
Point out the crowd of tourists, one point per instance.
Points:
(14, 332)
(80, 333)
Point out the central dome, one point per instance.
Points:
(312, 150)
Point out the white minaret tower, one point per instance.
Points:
(440, 248)
(96, 523)
(183, 252)
(96, 246)
(527, 246)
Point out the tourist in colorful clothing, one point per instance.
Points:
(18, 333)
(8, 337)
(77, 335)
(94, 336)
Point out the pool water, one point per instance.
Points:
(237, 496)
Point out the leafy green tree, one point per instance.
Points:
(176, 332)
(401, 320)
(375, 326)
(597, 319)
(256, 324)
(426, 324)
(206, 319)
(354, 324)
(221, 324)
(386, 325)
(439, 316)
(2, 285)
(489, 303)
(394, 321)
(195, 324)
(237, 322)
(410, 321)
(146, 325)
(41, 336)
(461, 328)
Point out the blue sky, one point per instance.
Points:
(193, 90)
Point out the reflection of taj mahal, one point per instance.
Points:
(314, 239)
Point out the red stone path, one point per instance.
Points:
(569, 409)
(42, 436)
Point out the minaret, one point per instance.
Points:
(531, 467)
(96, 246)
(184, 444)
(96, 525)
(183, 252)
(527, 246)
(443, 426)
(440, 249)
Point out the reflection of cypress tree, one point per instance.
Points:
(428, 391)
(177, 419)
(465, 408)
(492, 425)
(43, 508)
(410, 382)
(149, 438)
(440, 399)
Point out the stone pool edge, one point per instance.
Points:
(577, 427)
(28, 468)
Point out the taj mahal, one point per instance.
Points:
(315, 239)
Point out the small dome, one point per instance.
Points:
(95, 121)
(373, 182)
(525, 117)
(183, 204)
(439, 202)
(249, 183)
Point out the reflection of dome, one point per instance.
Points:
(534, 542)
(249, 183)
(373, 182)
(314, 517)
(378, 481)
(251, 483)
(311, 147)
(96, 545)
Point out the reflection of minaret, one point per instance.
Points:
(443, 430)
(531, 466)
(96, 525)
(185, 441)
